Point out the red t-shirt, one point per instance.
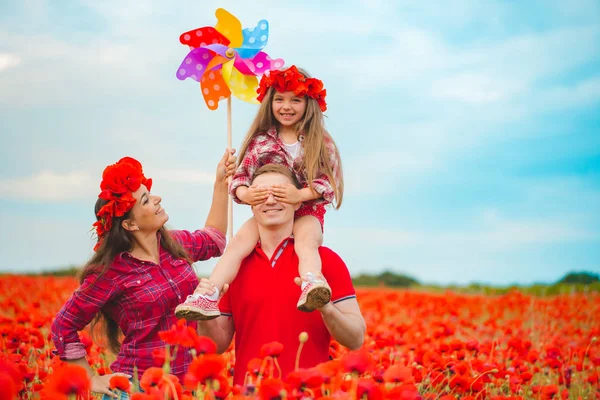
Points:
(262, 301)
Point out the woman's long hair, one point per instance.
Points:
(316, 158)
(115, 241)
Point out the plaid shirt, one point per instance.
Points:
(141, 297)
(268, 148)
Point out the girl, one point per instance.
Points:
(288, 130)
(139, 273)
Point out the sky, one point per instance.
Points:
(469, 130)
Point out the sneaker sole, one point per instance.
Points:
(317, 298)
(191, 314)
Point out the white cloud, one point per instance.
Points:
(474, 88)
(184, 176)
(49, 186)
(8, 60)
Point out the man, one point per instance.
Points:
(260, 304)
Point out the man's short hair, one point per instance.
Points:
(277, 169)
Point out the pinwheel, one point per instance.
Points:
(227, 59)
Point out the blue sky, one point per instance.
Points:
(469, 133)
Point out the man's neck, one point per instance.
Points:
(271, 238)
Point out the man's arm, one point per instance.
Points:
(220, 330)
(345, 323)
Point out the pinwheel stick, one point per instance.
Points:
(230, 200)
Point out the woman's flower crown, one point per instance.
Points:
(119, 181)
(292, 80)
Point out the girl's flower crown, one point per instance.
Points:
(119, 181)
(292, 80)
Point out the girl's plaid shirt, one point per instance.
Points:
(268, 148)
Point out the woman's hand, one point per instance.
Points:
(101, 384)
(287, 193)
(226, 166)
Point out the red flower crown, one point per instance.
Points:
(119, 181)
(292, 80)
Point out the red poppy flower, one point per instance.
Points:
(272, 349)
(120, 382)
(369, 390)
(180, 334)
(209, 366)
(398, 374)
(271, 389)
(357, 361)
(254, 366)
(204, 345)
(9, 387)
(151, 378)
(406, 391)
(305, 378)
(146, 396)
(69, 380)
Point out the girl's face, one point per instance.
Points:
(288, 108)
(147, 215)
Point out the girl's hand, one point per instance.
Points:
(206, 287)
(255, 195)
(226, 166)
(287, 193)
(101, 384)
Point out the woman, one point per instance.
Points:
(139, 273)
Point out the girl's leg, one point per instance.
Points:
(308, 237)
(202, 305)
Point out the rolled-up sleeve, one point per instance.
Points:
(79, 311)
(201, 244)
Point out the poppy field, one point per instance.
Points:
(419, 345)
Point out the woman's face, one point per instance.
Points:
(147, 214)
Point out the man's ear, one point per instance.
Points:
(297, 206)
(129, 225)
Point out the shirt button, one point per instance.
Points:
(60, 338)
(139, 282)
(179, 297)
(171, 280)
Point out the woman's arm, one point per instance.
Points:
(217, 215)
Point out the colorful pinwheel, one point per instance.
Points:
(227, 59)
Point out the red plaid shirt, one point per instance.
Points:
(268, 148)
(141, 297)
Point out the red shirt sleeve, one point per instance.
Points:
(337, 275)
(225, 305)
(79, 311)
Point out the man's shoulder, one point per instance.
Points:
(330, 256)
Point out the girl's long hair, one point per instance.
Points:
(316, 158)
(115, 241)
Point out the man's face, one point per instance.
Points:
(272, 213)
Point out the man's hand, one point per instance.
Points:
(101, 384)
(287, 193)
